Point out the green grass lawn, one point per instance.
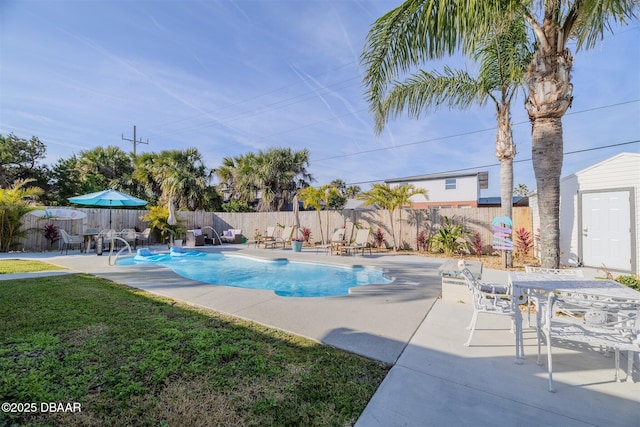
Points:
(14, 266)
(129, 358)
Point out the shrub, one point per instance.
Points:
(450, 238)
(630, 281)
(524, 242)
(422, 241)
(50, 232)
(306, 234)
(476, 242)
(15, 202)
(378, 238)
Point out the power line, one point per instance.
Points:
(515, 161)
(440, 138)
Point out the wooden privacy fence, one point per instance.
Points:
(406, 227)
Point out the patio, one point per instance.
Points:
(435, 380)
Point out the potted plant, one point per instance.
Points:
(158, 217)
(296, 244)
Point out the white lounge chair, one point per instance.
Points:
(283, 239)
(336, 242)
(360, 243)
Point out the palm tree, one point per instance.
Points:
(178, 175)
(105, 167)
(402, 197)
(15, 202)
(312, 196)
(420, 30)
(503, 62)
(521, 190)
(391, 199)
(276, 173)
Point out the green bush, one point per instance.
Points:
(630, 281)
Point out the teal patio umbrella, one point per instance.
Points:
(109, 198)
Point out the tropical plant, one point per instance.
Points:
(179, 175)
(450, 238)
(157, 217)
(524, 242)
(313, 196)
(422, 240)
(105, 167)
(306, 234)
(271, 176)
(378, 238)
(421, 30)
(15, 202)
(391, 198)
(521, 190)
(50, 232)
(630, 281)
(476, 243)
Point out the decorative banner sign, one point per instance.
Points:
(57, 213)
(501, 226)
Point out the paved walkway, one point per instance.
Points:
(435, 380)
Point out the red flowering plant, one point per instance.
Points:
(50, 232)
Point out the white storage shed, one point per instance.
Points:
(599, 215)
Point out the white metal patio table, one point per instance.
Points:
(540, 284)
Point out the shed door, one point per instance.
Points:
(606, 230)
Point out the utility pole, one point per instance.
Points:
(134, 140)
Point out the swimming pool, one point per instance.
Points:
(284, 277)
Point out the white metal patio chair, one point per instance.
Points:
(491, 299)
(596, 322)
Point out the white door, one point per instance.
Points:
(606, 230)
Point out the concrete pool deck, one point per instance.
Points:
(435, 380)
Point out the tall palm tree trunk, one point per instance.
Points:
(550, 95)
(547, 165)
(505, 152)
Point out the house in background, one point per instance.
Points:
(599, 219)
(496, 202)
(451, 190)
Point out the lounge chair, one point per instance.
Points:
(268, 236)
(284, 239)
(360, 243)
(68, 241)
(336, 242)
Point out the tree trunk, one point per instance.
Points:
(505, 152)
(550, 95)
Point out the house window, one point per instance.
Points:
(450, 184)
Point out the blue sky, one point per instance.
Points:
(233, 76)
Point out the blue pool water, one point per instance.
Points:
(285, 278)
